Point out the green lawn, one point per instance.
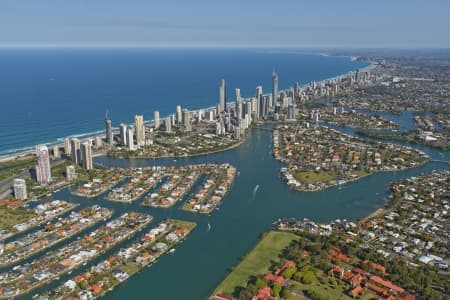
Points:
(312, 177)
(326, 290)
(257, 262)
(308, 177)
(130, 268)
(11, 217)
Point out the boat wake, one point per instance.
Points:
(254, 192)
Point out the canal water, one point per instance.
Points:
(206, 257)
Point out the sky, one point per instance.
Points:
(228, 23)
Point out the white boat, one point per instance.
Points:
(209, 227)
(172, 250)
(256, 188)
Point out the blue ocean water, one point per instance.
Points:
(48, 94)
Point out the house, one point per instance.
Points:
(263, 294)
(387, 284)
(356, 291)
(96, 289)
(375, 266)
(274, 278)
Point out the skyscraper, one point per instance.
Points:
(130, 138)
(262, 107)
(274, 88)
(140, 130)
(296, 89)
(43, 169)
(291, 112)
(238, 106)
(20, 189)
(168, 125)
(109, 132)
(123, 134)
(71, 173)
(186, 120)
(76, 155)
(56, 153)
(86, 155)
(259, 95)
(222, 96)
(156, 119)
(67, 147)
(179, 116)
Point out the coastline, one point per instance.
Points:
(181, 156)
(11, 155)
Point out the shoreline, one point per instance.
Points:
(178, 156)
(14, 155)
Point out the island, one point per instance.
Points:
(52, 233)
(103, 277)
(319, 157)
(23, 279)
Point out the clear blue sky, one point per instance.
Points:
(232, 23)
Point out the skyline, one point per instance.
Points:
(291, 24)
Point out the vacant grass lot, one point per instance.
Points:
(308, 177)
(257, 261)
(11, 217)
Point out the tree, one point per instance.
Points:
(297, 276)
(260, 283)
(289, 272)
(248, 292)
(285, 293)
(308, 277)
(276, 290)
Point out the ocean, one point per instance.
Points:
(47, 94)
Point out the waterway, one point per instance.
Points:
(205, 258)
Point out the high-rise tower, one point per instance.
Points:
(222, 96)
(140, 130)
(86, 155)
(156, 119)
(43, 169)
(76, 155)
(274, 88)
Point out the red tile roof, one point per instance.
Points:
(387, 284)
(356, 291)
(274, 278)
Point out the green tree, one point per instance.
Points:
(285, 293)
(308, 277)
(289, 272)
(260, 283)
(276, 290)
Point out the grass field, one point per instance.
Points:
(308, 177)
(12, 217)
(257, 261)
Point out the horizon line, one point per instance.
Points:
(210, 46)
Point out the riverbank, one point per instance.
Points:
(257, 261)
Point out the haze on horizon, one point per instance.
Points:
(232, 23)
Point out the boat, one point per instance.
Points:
(209, 227)
(256, 188)
(172, 250)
